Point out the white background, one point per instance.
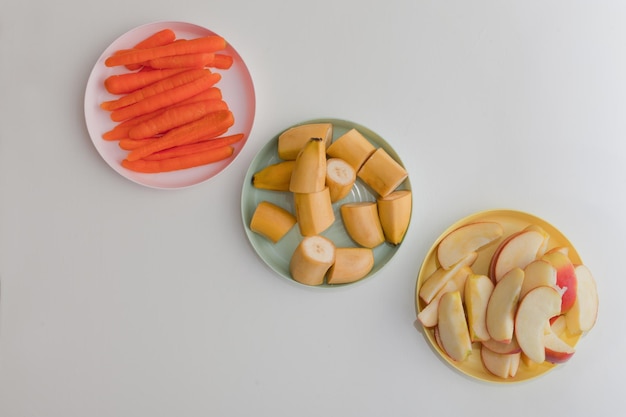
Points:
(122, 300)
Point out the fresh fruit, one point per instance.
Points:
(429, 314)
(314, 211)
(533, 314)
(582, 316)
(382, 173)
(292, 140)
(362, 223)
(340, 177)
(453, 331)
(504, 365)
(538, 273)
(465, 239)
(352, 147)
(351, 264)
(309, 171)
(478, 289)
(565, 278)
(500, 316)
(312, 259)
(275, 177)
(271, 221)
(436, 281)
(500, 347)
(394, 212)
(556, 349)
(517, 251)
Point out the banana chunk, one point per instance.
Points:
(340, 177)
(312, 259)
(292, 140)
(271, 221)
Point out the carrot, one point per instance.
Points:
(164, 84)
(165, 98)
(180, 162)
(174, 117)
(160, 38)
(221, 61)
(130, 144)
(120, 131)
(213, 123)
(131, 81)
(211, 43)
(197, 60)
(196, 147)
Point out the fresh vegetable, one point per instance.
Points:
(128, 82)
(181, 162)
(201, 146)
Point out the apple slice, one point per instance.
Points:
(538, 273)
(452, 327)
(502, 305)
(429, 314)
(504, 365)
(546, 238)
(478, 289)
(503, 348)
(557, 350)
(584, 313)
(533, 314)
(517, 251)
(565, 278)
(435, 281)
(466, 239)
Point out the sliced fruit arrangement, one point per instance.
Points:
(332, 178)
(505, 297)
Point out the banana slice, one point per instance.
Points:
(352, 147)
(340, 177)
(314, 212)
(271, 221)
(394, 211)
(311, 260)
(275, 177)
(292, 140)
(309, 171)
(362, 223)
(351, 264)
(382, 173)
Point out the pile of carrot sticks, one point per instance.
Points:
(169, 112)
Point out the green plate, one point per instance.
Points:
(277, 255)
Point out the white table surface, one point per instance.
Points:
(123, 300)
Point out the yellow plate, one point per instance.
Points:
(511, 222)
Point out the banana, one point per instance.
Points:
(274, 177)
(382, 173)
(292, 140)
(394, 211)
(312, 259)
(362, 223)
(271, 221)
(351, 264)
(340, 177)
(309, 170)
(314, 212)
(352, 147)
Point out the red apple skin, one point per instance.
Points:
(565, 278)
(557, 357)
(494, 257)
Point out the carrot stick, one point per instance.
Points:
(197, 60)
(131, 144)
(174, 117)
(196, 147)
(131, 81)
(160, 38)
(214, 123)
(165, 98)
(211, 43)
(221, 61)
(181, 162)
(120, 131)
(168, 83)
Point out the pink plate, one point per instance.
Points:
(237, 90)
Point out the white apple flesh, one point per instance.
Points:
(452, 327)
(533, 314)
(500, 317)
(583, 314)
(466, 239)
(478, 289)
(517, 251)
